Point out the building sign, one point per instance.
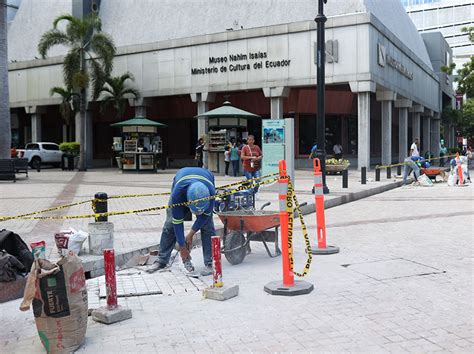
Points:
(240, 62)
(384, 58)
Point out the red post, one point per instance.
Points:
(288, 277)
(216, 262)
(319, 201)
(110, 281)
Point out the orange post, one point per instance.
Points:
(288, 277)
(459, 166)
(320, 218)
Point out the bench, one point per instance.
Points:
(7, 170)
(21, 166)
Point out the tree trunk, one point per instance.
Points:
(82, 132)
(5, 123)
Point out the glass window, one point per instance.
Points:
(52, 147)
(32, 147)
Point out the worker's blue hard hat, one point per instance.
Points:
(198, 190)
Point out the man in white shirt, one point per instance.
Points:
(414, 148)
(337, 149)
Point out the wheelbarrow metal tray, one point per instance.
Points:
(250, 220)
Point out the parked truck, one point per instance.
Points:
(41, 153)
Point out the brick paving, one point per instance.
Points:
(403, 282)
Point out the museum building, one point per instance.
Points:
(384, 83)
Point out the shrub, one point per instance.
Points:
(70, 147)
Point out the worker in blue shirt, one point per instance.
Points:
(190, 183)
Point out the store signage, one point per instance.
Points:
(384, 58)
(239, 62)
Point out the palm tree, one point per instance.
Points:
(5, 124)
(67, 107)
(86, 42)
(116, 92)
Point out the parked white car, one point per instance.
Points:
(41, 153)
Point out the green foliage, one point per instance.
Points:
(337, 162)
(70, 147)
(116, 91)
(68, 98)
(466, 121)
(465, 78)
(85, 42)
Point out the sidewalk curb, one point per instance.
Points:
(351, 197)
(94, 265)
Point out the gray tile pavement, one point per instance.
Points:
(350, 310)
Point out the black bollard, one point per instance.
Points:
(345, 179)
(100, 205)
(363, 178)
(389, 172)
(377, 174)
(399, 170)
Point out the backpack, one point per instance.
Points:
(15, 246)
(9, 267)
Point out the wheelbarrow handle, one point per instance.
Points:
(265, 205)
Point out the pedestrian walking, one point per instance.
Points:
(235, 158)
(227, 159)
(189, 183)
(251, 156)
(337, 149)
(414, 151)
(199, 152)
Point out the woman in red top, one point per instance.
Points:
(251, 157)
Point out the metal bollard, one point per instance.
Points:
(399, 170)
(110, 281)
(377, 174)
(389, 172)
(345, 179)
(363, 178)
(100, 205)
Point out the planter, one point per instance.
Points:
(333, 169)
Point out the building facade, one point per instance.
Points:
(382, 89)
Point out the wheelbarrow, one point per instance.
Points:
(243, 226)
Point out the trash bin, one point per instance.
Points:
(67, 162)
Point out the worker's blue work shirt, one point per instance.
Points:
(183, 179)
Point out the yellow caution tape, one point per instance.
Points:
(405, 163)
(163, 207)
(292, 205)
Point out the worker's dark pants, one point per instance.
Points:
(168, 240)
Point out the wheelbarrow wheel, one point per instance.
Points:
(233, 247)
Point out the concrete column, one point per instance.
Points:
(386, 98)
(202, 99)
(35, 115)
(363, 132)
(276, 95)
(36, 127)
(77, 123)
(65, 137)
(452, 136)
(416, 125)
(140, 111)
(402, 105)
(435, 134)
(386, 132)
(426, 134)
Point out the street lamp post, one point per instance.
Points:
(320, 85)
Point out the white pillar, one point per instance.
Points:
(77, 129)
(203, 123)
(276, 95)
(426, 138)
(403, 105)
(202, 100)
(363, 132)
(36, 127)
(140, 111)
(65, 137)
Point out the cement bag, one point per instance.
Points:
(425, 181)
(59, 296)
(452, 179)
